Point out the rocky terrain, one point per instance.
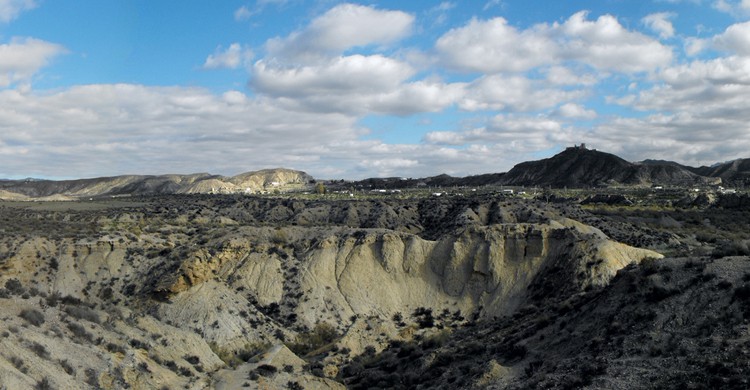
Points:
(485, 291)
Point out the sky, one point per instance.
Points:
(352, 90)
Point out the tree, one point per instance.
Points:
(320, 188)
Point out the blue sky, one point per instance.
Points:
(362, 89)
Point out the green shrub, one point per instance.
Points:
(323, 334)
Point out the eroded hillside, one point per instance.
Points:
(225, 292)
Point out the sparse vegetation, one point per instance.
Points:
(322, 335)
(32, 316)
(675, 314)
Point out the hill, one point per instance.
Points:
(578, 167)
(733, 173)
(134, 185)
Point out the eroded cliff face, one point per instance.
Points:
(222, 292)
(486, 269)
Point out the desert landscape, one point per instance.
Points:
(634, 276)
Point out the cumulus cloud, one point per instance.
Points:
(561, 75)
(514, 93)
(493, 46)
(343, 27)
(694, 103)
(153, 130)
(354, 84)
(307, 69)
(10, 9)
(660, 23)
(232, 58)
(365, 73)
(97, 130)
(22, 58)
(575, 111)
(524, 132)
(736, 39)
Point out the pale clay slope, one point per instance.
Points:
(201, 183)
(364, 275)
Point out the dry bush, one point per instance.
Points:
(32, 316)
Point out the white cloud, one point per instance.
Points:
(693, 46)
(698, 107)
(736, 38)
(353, 84)
(493, 46)
(491, 4)
(606, 45)
(242, 13)
(660, 23)
(514, 94)
(560, 75)
(156, 130)
(231, 58)
(511, 134)
(733, 7)
(22, 58)
(10, 9)
(366, 74)
(343, 27)
(575, 111)
(439, 13)
(723, 5)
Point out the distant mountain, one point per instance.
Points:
(735, 172)
(433, 181)
(574, 167)
(578, 167)
(250, 182)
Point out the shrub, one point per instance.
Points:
(67, 367)
(424, 317)
(83, 313)
(33, 317)
(43, 384)
(294, 386)
(235, 358)
(19, 364)
(92, 377)
(114, 348)
(39, 349)
(323, 334)
(80, 332)
(14, 287)
(266, 370)
(192, 359)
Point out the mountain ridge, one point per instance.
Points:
(574, 167)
